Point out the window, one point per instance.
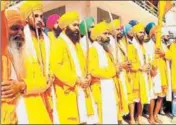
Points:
(59, 10)
(104, 15)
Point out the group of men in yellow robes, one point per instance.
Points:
(81, 73)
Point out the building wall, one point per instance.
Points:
(126, 10)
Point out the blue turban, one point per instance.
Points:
(133, 22)
(149, 26)
(126, 29)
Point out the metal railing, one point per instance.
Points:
(148, 6)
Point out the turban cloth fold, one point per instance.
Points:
(114, 24)
(14, 17)
(68, 18)
(52, 19)
(98, 30)
(126, 29)
(86, 24)
(28, 7)
(138, 27)
(149, 26)
(133, 22)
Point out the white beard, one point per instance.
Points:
(17, 57)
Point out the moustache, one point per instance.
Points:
(40, 24)
(76, 32)
(17, 38)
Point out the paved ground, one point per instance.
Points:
(165, 119)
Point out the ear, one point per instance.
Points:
(98, 38)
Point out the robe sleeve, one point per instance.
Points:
(34, 79)
(95, 70)
(133, 58)
(60, 62)
(168, 54)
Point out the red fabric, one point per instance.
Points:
(4, 37)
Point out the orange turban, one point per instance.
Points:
(14, 17)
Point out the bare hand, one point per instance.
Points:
(83, 82)
(127, 66)
(145, 68)
(11, 88)
(159, 52)
(119, 67)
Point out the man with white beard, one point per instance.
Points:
(12, 67)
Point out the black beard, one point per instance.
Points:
(74, 36)
(119, 36)
(140, 39)
(57, 31)
(89, 36)
(105, 44)
(130, 37)
(34, 29)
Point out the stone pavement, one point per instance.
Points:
(164, 118)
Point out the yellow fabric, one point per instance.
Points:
(8, 106)
(61, 65)
(98, 30)
(114, 24)
(139, 89)
(8, 113)
(160, 63)
(4, 5)
(68, 18)
(28, 7)
(36, 85)
(137, 28)
(52, 37)
(100, 73)
(127, 76)
(163, 8)
(170, 54)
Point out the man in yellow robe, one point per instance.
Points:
(119, 50)
(53, 26)
(103, 70)
(12, 67)
(140, 66)
(37, 100)
(69, 67)
(159, 75)
(86, 26)
(170, 55)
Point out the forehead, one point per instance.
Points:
(18, 23)
(76, 22)
(106, 31)
(39, 12)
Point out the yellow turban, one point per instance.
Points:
(114, 24)
(139, 27)
(98, 30)
(4, 5)
(28, 7)
(68, 18)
